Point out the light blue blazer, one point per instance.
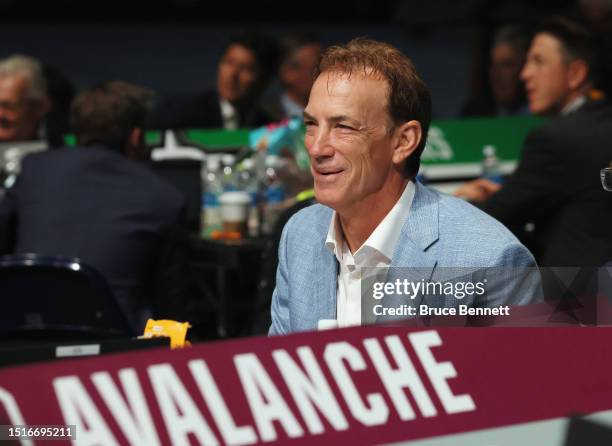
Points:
(440, 232)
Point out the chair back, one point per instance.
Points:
(56, 298)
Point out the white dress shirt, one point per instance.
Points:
(574, 105)
(229, 115)
(377, 251)
(291, 108)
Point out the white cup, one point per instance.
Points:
(235, 211)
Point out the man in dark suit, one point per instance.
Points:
(247, 63)
(555, 185)
(98, 203)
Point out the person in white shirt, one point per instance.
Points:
(366, 124)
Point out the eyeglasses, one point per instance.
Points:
(606, 178)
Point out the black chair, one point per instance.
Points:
(55, 299)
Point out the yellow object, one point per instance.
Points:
(176, 331)
(305, 195)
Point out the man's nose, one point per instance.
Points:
(525, 72)
(318, 144)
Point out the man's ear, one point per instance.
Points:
(135, 147)
(577, 74)
(408, 136)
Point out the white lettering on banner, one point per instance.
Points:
(180, 413)
(335, 355)
(78, 408)
(132, 416)
(405, 375)
(439, 372)
(231, 433)
(310, 390)
(265, 401)
(14, 414)
(394, 360)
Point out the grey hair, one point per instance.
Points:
(19, 65)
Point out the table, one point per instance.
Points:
(228, 260)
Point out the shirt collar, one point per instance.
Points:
(291, 107)
(574, 105)
(229, 114)
(384, 238)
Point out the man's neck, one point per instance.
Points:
(359, 223)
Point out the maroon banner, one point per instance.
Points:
(352, 386)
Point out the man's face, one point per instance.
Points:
(546, 75)
(506, 64)
(19, 116)
(349, 141)
(238, 73)
(298, 71)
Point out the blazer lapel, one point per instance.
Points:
(411, 259)
(325, 286)
(324, 277)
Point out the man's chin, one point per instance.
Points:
(324, 197)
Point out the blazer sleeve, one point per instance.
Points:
(280, 296)
(537, 186)
(513, 278)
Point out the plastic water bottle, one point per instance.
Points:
(274, 194)
(213, 187)
(229, 177)
(491, 165)
(248, 182)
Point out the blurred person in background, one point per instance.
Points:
(555, 184)
(507, 93)
(248, 62)
(299, 56)
(23, 99)
(97, 202)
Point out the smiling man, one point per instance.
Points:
(556, 184)
(366, 124)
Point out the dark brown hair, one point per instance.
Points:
(577, 42)
(106, 114)
(408, 99)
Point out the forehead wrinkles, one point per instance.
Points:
(348, 73)
(367, 118)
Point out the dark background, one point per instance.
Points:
(174, 45)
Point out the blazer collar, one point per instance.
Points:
(326, 274)
(421, 228)
(419, 232)
(412, 260)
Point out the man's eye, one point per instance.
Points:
(309, 123)
(345, 127)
